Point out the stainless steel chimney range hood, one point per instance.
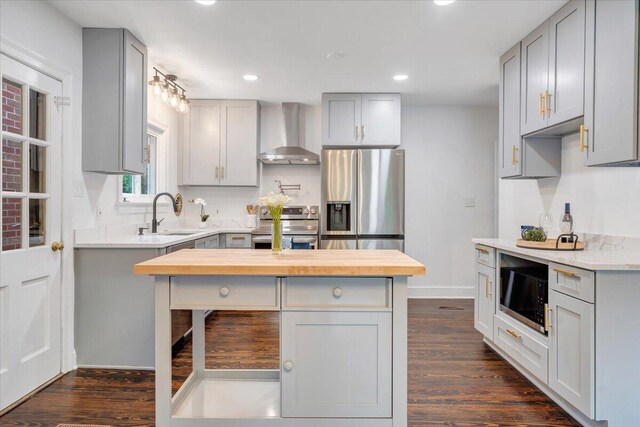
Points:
(290, 153)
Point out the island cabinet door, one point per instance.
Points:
(336, 365)
(484, 307)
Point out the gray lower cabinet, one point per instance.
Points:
(572, 351)
(484, 301)
(211, 242)
(553, 60)
(114, 101)
(336, 364)
(610, 133)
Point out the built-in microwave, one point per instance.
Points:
(524, 294)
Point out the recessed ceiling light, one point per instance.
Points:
(443, 2)
(335, 56)
(400, 77)
(206, 2)
(250, 77)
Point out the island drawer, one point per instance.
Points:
(575, 282)
(522, 346)
(224, 293)
(337, 292)
(486, 255)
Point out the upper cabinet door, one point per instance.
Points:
(239, 144)
(381, 119)
(341, 118)
(114, 101)
(535, 72)
(611, 119)
(509, 115)
(135, 105)
(201, 143)
(566, 63)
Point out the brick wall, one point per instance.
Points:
(12, 158)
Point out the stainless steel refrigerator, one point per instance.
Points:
(362, 199)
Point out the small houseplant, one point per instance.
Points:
(203, 216)
(275, 203)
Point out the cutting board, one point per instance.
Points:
(550, 245)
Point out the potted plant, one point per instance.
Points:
(275, 203)
(203, 216)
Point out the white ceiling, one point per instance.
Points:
(450, 53)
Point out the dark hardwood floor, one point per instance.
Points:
(454, 379)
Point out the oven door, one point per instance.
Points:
(524, 297)
(290, 242)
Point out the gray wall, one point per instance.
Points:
(450, 158)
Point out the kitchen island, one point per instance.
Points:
(343, 337)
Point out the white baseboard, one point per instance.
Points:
(129, 368)
(440, 292)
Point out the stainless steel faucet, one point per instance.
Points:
(177, 208)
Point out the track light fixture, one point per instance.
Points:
(168, 90)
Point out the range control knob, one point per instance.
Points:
(314, 211)
(306, 211)
(263, 211)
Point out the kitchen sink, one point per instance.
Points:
(178, 233)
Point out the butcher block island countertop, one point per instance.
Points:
(261, 262)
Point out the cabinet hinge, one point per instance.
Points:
(62, 101)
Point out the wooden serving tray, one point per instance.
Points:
(550, 245)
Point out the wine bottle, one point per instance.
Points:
(566, 222)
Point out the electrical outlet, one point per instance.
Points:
(470, 202)
(78, 188)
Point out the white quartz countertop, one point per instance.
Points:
(155, 241)
(589, 259)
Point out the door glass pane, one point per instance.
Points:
(12, 161)
(11, 223)
(37, 114)
(11, 107)
(37, 168)
(37, 222)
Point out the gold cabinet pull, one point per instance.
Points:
(547, 318)
(547, 103)
(217, 171)
(357, 132)
(565, 273)
(513, 155)
(57, 246)
(487, 288)
(481, 250)
(540, 104)
(514, 334)
(583, 145)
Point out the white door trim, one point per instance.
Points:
(43, 65)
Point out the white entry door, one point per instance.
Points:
(31, 221)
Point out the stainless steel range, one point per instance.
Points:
(300, 224)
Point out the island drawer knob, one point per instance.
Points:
(224, 291)
(337, 292)
(288, 365)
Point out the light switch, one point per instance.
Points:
(470, 202)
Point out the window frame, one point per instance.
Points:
(159, 131)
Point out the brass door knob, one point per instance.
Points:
(57, 246)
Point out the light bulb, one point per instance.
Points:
(157, 89)
(173, 100)
(164, 93)
(183, 104)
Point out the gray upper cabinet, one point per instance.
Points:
(341, 116)
(509, 110)
(553, 60)
(535, 79)
(565, 100)
(114, 101)
(610, 133)
(220, 143)
(368, 119)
